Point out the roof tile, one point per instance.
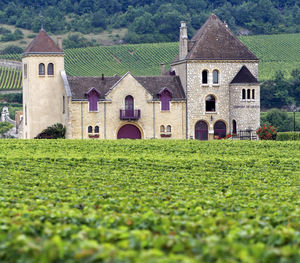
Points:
(214, 41)
(43, 43)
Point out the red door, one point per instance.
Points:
(201, 131)
(129, 131)
(220, 129)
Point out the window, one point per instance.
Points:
(165, 97)
(248, 94)
(93, 96)
(253, 94)
(162, 128)
(129, 103)
(233, 127)
(215, 77)
(25, 71)
(96, 129)
(210, 103)
(50, 69)
(64, 107)
(204, 77)
(169, 128)
(243, 94)
(25, 115)
(41, 69)
(90, 129)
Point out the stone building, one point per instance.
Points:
(211, 90)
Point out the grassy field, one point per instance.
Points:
(276, 52)
(149, 201)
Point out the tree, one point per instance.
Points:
(5, 127)
(279, 119)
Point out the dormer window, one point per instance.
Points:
(42, 69)
(215, 77)
(165, 97)
(93, 96)
(204, 76)
(50, 69)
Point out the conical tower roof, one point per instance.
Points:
(214, 41)
(43, 43)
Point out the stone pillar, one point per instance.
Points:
(183, 41)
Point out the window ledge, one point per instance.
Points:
(93, 111)
(205, 85)
(42, 76)
(164, 110)
(211, 112)
(50, 76)
(216, 85)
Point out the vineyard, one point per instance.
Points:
(276, 52)
(10, 79)
(149, 201)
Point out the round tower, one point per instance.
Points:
(43, 90)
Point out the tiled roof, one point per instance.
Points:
(153, 84)
(214, 41)
(80, 86)
(244, 76)
(42, 43)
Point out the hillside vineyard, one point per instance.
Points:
(211, 90)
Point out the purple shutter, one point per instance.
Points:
(165, 100)
(93, 101)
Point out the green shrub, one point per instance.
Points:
(56, 131)
(267, 132)
(5, 127)
(288, 136)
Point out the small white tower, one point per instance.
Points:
(43, 92)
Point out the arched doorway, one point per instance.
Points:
(129, 131)
(220, 129)
(201, 131)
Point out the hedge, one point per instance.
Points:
(288, 136)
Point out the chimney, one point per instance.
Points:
(183, 41)
(162, 67)
(59, 42)
(102, 77)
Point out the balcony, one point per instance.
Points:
(130, 114)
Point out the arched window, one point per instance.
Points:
(96, 129)
(253, 94)
(50, 69)
(169, 128)
(215, 77)
(41, 69)
(210, 103)
(165, 97)
(204, 77)
(248, 94)
(243, 94)
(162, 128)
(233, 127)
(90, 129)
(129, 103)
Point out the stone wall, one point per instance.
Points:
(42, 95)
(108, 115)
(246, 112)
(197, 92)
